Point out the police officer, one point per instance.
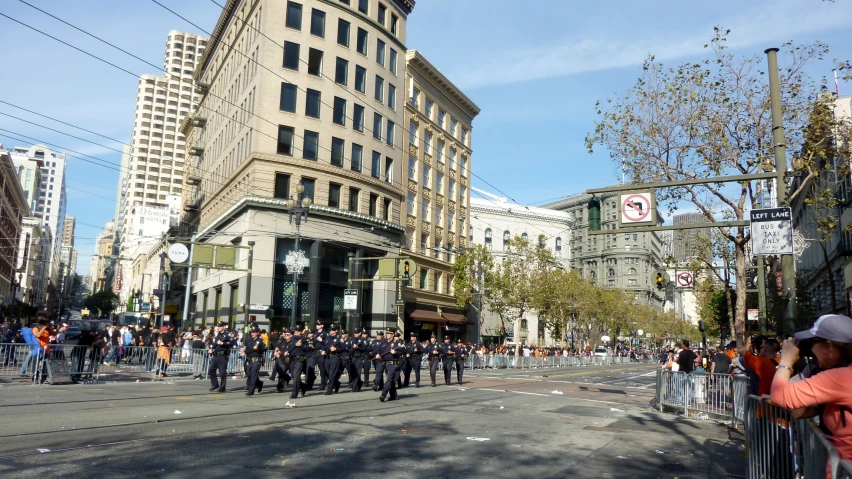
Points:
(389, 354)
(359, 349)
(461, 355)
(219, 351)
(297, 352)
(253, 353)
(413, 353)
(379, 382)
(282, 361)
(368, 357)
(319, 358)
(448, 356)
(345, 356)
(333, 347)
(433, 354)
(311, 364)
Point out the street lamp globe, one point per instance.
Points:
(306, 202)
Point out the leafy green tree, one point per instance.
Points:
(103, 301)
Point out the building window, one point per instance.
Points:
(380, 52)
(439, 151)
(558, 246)
(339, 116)
(341, 71)
(363, 6)
(631, 271)
(441, 115)
(428, 110)
(337, 146)
(288, 97)
(308, 183)
(312, 104)
(377, 126)
(611, 273)
(488, 238)
(361, 79)
(382, 13)
(379, 92)
(315, 62)
(361, 46)
(415, 97)
(388, 170)
(523, 236)
(452, 189)
(291, 55)
(451, 220)
(439, 182)
(427, 173)
(343, 32)
(424, 209)
(452, 155)
(357, 156)
(412, 203)
(375, 166)
(632, 282)
(453, 124)
(354, 197)
(334, 195)
(386, 212)
(463, 164)
(427, 142)
(374, 205)
(311, 148)
(318, 23)
(391, 97)
(412, 167)
(424, 278)
(394, 23)
(506, 237)
(470, 232)
(285, 140)
(282, 186)
(390, 132)
(294, 15)
(392, 61)
(463, 195)
(412, 134)
(358, 118)
(439, 215)
(464, 136)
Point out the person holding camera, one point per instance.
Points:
(762, 365)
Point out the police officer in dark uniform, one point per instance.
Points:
(461, 355)
(345, 355)
(282, 361)
(253, 352)
(219, 351)
(359, 349)
(413, 354)
(296, 351)
(319, 358)
(389, 354)
(368, 358)
(379, 382)
(433, 354)
(448, 356)
(398, 343)
(333, 347)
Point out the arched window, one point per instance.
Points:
(611, 273)
(592, 274)
(488, 238)
(523, 324)
(558, 246)
(506, 237)
(40, 154)
(631, 271)
(524, 236)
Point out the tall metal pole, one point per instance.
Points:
(162, 289)
(295, 275)
(788, 273)
(761, 294)
(188, 291)
(350, 326)
(248, 284)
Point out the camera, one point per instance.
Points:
(757, 341)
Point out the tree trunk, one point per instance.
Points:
(730, 308)
(740, 313)
(830, 276)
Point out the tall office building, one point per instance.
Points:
(68, 231)
(436, 179)
(324, 111)
(688, 244)
(13, 209)
(154, 165)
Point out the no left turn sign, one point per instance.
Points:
(684, 279)
(636, 208)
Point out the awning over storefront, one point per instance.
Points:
(455, 318)
(427, 316)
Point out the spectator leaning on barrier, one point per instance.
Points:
(686, 358)
(826, 393)
(762, 364)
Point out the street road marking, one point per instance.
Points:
(184, 398)
(653, 373)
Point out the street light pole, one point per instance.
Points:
(298, 210)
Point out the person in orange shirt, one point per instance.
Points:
(42, 334)
(763, 364)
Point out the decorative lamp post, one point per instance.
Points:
(295, 260)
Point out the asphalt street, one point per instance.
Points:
(566, 422)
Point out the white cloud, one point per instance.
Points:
(604, 50)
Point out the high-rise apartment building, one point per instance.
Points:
(68, 231)
(688, 244)
(154, 165)
(436, 180)
(52, 200)
(13, 209)
(102, 259)
(299, 95)
(625, 261)
(29, 175)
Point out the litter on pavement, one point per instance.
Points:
(615, 410)
(480, 439)
(556, 392)
(43, 450)
(178, 412)
(660, 451)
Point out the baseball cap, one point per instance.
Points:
(833, 327)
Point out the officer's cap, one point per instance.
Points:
(433, 335)
(412, 334)
(380, 333)
(447, 338)
(223, 323)
(291, 330)
(334, 327)
(397, 334)
(459, 340)
(344, 332)
(358, 330)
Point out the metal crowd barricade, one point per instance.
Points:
(815, 451)
(844, 470)
(19, 359)
(740, 396)
(673, 391)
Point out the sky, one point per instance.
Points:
(536, 73)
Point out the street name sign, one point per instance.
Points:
(771, 231)
(350, 299)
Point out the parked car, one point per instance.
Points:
(601, 351)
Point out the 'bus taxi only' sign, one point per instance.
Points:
(772, 231)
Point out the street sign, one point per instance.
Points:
(647, 335)
(772, 231)
(684, 279)
(350, 299)
(753, 314)
(636, 208)
(145, 307)
(407, 268)
(178, 253)
(640, 332)
(256, 307)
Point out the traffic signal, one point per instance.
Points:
(406, 270)
(660, 281)
(594, 214)
(269, 313)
